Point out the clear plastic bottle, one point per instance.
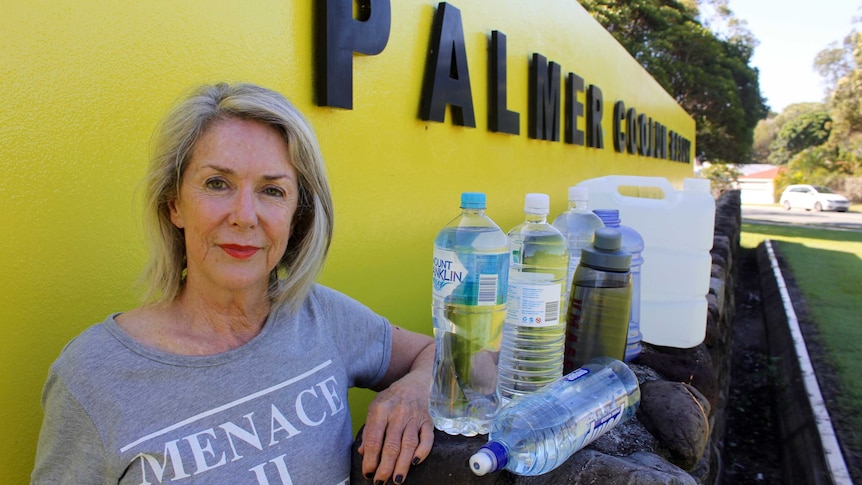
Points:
(577, 224)
(531, 355)
(600, 304)
(538, 432)
(633, 243)
(471, 260)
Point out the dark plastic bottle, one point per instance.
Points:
(600, 303)
(633, 243)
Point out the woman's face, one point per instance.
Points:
(236, 204)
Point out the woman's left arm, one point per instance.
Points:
(399, 432)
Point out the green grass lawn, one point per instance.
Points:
(827, 266)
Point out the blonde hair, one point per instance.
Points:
(164, 275)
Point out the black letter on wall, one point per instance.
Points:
(632, 130)
(447, 80)
(643, 139)
(339, 36)
(619, 120)
(661, 141)
(594, 117)
(574, 109)
(544, 99)
(686, 151)
(500, 119)
(671, 144)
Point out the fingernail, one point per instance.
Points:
(378, 482)
(398, 478)
(369, 475)
(416, 460)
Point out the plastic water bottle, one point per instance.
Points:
(578, 224)
(471, 260)
(531, 355)
(538, 432)
(633, 243)
(600, 305)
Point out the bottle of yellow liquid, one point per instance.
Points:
(531, 354)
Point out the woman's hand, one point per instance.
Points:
(399, 432)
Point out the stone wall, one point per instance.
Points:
(678, 433)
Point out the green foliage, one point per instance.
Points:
(710, 77)
(807, 130)
(846, 102)
(767, 130)
(835, 62)
(764, 134)
(841, 68)
(820, 165)
(723, 176)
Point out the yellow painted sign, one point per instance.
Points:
(552, 100)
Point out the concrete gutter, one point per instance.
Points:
(809, 443)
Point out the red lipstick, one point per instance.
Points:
(239, 252)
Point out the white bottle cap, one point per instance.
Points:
(482, 462)
(537, 203)
(579, 192)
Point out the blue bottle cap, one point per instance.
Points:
(472, 200)
(611, 217)
(489, 458)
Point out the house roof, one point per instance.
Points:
(767, 173)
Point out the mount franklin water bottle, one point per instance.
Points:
(538, 432)
(534, 333)
(471, 260)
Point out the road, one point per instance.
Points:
(850, 220)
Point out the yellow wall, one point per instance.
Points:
(84, 84)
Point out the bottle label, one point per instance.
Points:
(576, 374)
(602, 425)
(533, 305)
(469, 279)
(611, 396)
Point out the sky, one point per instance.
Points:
(791, 33)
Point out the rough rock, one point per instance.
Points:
(686, 370)
(677, 415)
(721, 245)
(591, 467)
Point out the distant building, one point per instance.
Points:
(757, 183)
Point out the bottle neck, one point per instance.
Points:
(536, 218)
(579, 205)
(473, 212)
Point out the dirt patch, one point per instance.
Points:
(752, 440)
(752, 452)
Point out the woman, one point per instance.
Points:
(236, 369)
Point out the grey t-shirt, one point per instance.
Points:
(273, 411)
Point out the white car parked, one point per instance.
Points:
(814, 197)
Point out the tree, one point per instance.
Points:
(767, 130)
(835, 62)
(764, 134)
(810, 129)
(723, 177)
(710, 77)
(841, 68)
